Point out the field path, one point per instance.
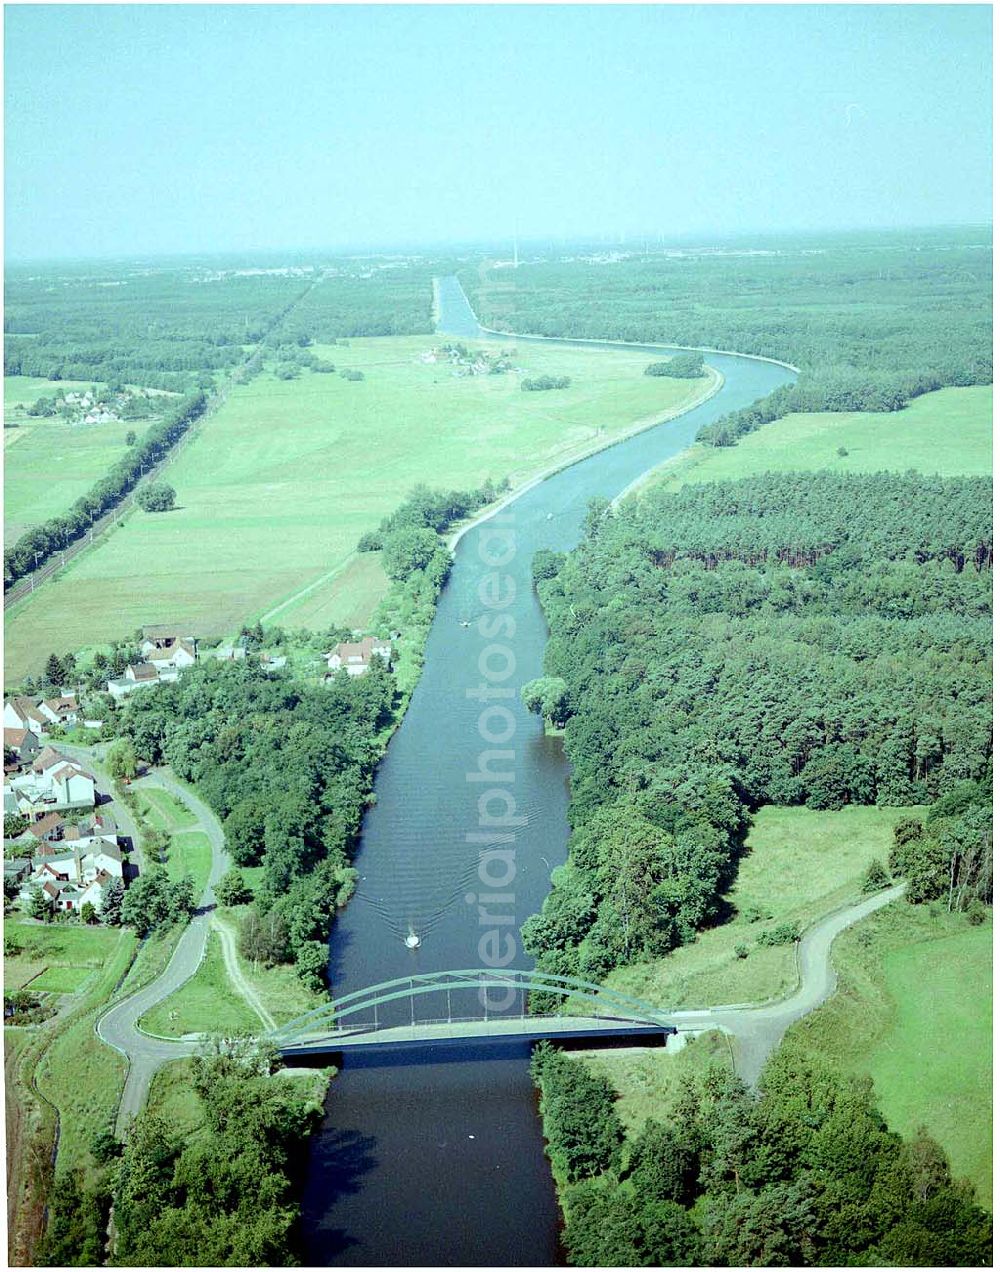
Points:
(240, 982)
(119, 1026)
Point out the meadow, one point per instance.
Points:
(947, 432)
(47, 462)
(913, 1010)
(277, 487)
(189, 853)
(798, 864)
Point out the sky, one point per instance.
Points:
(148, 129)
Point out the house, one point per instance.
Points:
(272, 662)
(62, 710)
(174, 652)
(355, 656)
(15, 869)
(53, 784)
(48, 829)
(22, 742)
(22, 713)
(72, 877)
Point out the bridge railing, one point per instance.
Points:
(609, 1001)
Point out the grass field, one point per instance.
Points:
(276, 488)
(798, 865)
(56, 957)
(914, 1010)
(205, 1004)
(80, 1075)
(190, 852)
(48, 463)
(210, 1002)
(646, 1078)
(948, 432)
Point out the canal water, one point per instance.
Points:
(436, 1159)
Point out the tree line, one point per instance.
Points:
(36, 545)
(226, 1197)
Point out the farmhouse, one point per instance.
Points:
(23, 713)
(22, 742)
(168, 650)
(62, 710)
(53, 784)
(355, 656)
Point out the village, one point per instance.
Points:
(62, 849)
(469, 362)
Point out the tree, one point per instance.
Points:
(53, 669)
(548, 696)
(130, 437)
(312, 959)
(156, 497)
(110, 910)
(88, 914)
(232, 889)
(153, 901)
(14, 825)
(39, 905)
(407, 549)
(120, 759)
(876, 877)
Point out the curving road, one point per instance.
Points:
(758, 1030)
(119, 1026)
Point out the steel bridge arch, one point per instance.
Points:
(617, 1005)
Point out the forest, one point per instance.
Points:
(872, 321)
(797, 638)
(225, 1197)
(807, 1174)
(288, 769)
(178, 327)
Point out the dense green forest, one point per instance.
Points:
(808, 1174)
(226, 1197)
(163, 328)
(872, 321)
(288, 768)
(176, 327)
(798, 638)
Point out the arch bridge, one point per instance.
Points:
(352, 1021)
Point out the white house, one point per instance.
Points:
(53, 784)
(355, 656)
(168, 649)
(61, 710)
(22, 713)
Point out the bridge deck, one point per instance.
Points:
(529, 1028)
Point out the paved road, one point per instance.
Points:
(92, 758)
(758, 1030)
(118, 1027)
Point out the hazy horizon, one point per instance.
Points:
(183, 130)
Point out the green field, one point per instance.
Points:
(64, 954)
(798, 865)
(914, 1010)
(48, 464)
(276, 488)
(163, 810)
(948, 432)
(207, 1003)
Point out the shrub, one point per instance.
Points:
(783, 934)
(156, 497)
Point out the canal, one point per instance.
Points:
(437, 1158)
